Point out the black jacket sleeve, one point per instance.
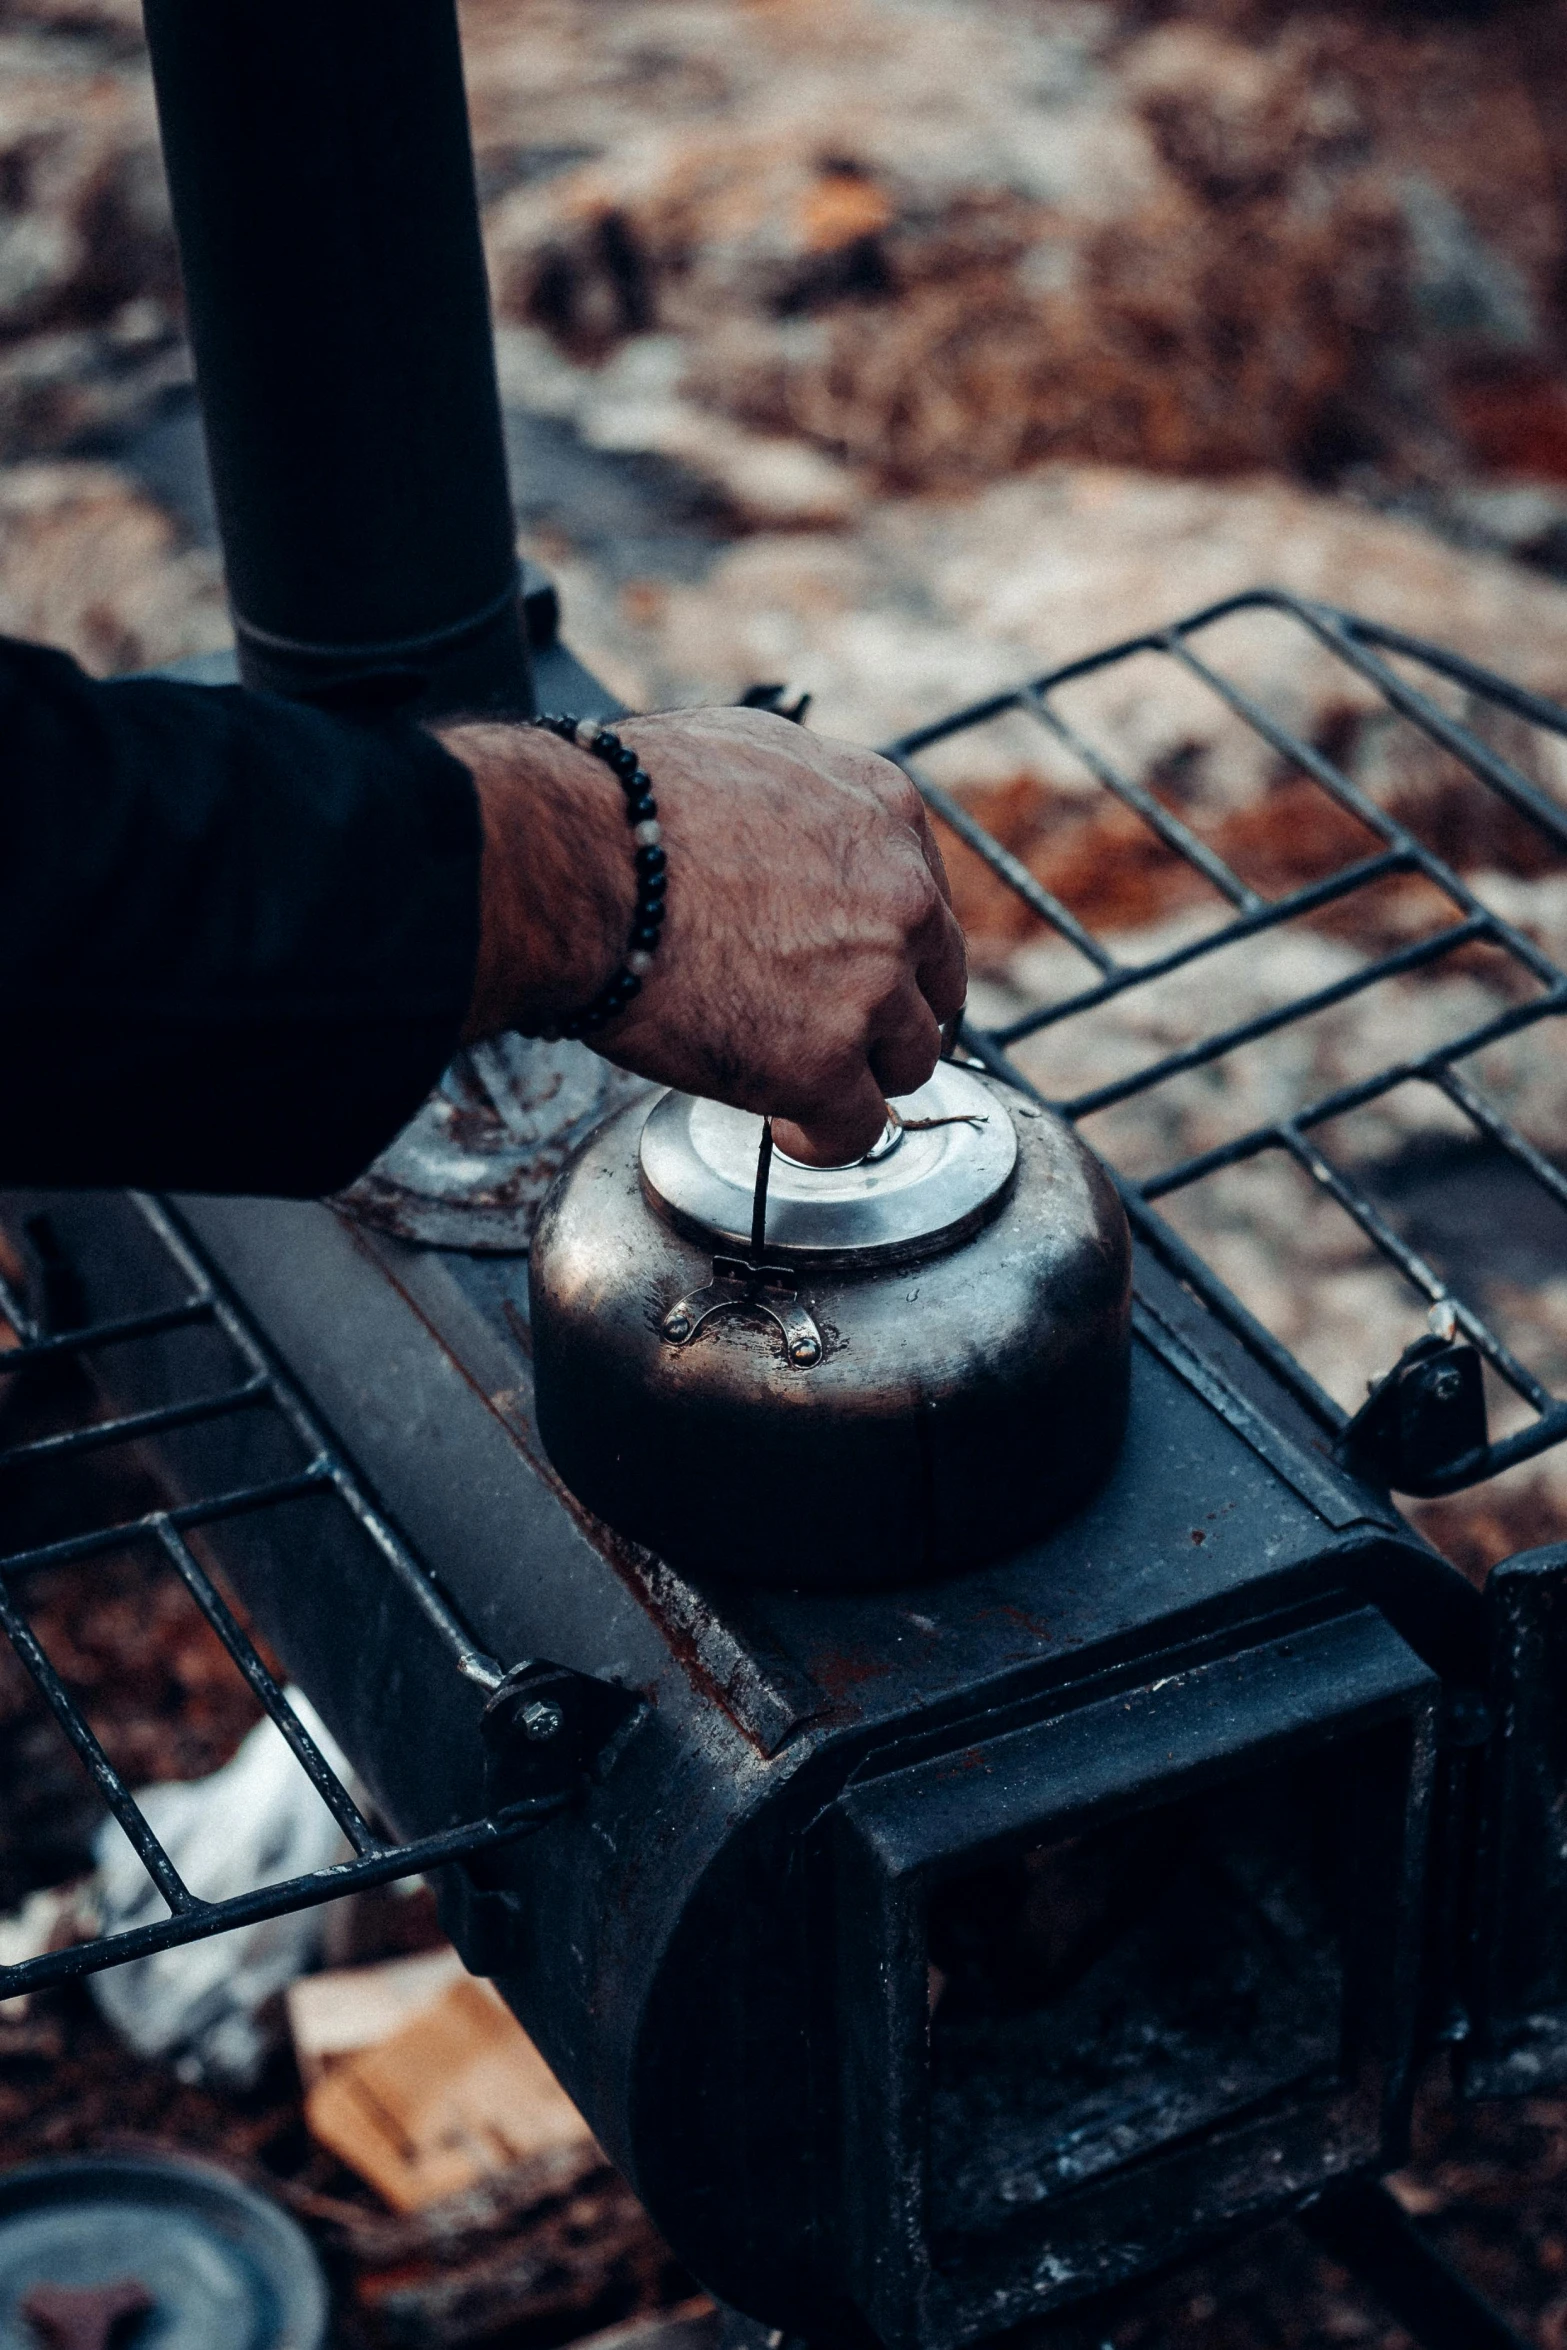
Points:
(237, 936)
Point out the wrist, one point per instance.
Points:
(640, 810)
(556, 884)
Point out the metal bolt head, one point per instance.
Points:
(542, 1719)
(677, 1325)
(1446, 1383)
(804, 1351)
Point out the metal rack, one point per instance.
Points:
(254, 1384)
(1360, 645)
(323, 1478)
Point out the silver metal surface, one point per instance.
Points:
(738, 1287)
(471, 1168)
(932, 1396)
(940, 1171)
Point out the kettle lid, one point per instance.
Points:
(940, 1170)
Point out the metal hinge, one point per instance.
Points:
(1422, 1429)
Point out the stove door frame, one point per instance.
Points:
(1273, 1705)
(1510, 2027)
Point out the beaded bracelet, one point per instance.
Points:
(649, 859)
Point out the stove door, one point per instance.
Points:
(1514, 2017)
(1130, 1976)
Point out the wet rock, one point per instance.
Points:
(1464, 291)
(927, 603)
(940, 245)
(75, 384)
(90, 564)
(636, 405)
(84, 216)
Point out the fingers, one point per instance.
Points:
(932, 850)
(850, 1116)
(941, 966)
(899, 790)
(841, 1129)
(933, 943)
(906, 1047)
(940, 958)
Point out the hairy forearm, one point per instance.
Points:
(556, 885)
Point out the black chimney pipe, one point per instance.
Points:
(322, 179)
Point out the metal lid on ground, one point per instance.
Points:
(940, 1171)
(92, 2244)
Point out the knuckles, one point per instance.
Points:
(911, 896)
(899, 797)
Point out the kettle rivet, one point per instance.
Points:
(543, 1719)
(804, 1350)
(677, 1326)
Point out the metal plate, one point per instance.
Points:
(218, 2262)
(921, 1188)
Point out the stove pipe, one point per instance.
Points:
(323, 189)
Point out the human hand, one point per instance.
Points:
(810, 956)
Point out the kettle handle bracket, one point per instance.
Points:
(740, 1287)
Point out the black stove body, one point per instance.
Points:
(930, 1961)
(935, 1960)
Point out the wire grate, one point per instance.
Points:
(1119, 966)
(324, 1479)
(1364, 654)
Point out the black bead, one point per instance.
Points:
(650, 863)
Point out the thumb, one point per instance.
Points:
(836, 1132)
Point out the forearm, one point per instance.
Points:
(237, 938)
(556, 888)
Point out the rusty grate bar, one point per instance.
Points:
(1362, 646)
(325, 1477)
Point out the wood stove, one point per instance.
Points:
(931, 1960)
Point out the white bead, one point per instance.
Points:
(648, 835)
(587, 730)
(639, 960)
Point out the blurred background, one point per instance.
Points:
(815, 314)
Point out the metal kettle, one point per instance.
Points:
(833, 1376)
